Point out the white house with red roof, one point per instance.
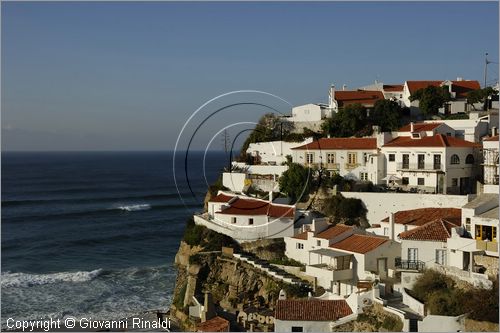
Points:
(341, 98)
(435, 164)
(340, 256)
(309, 315)
(247, 219)
(355, 158)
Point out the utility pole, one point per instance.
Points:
(486, 62)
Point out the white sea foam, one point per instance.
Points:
(132, 208)
(28, 280)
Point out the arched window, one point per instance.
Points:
(455, 159)
(469, 159)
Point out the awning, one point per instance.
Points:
(329, 253)
(391, 178)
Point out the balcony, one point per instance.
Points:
(325, 272)
(351, 165)
(332, 166)
(422, 167)
(487, 246)
(411, 265)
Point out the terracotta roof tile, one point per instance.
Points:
(359, 243)
(422, 216)
(334, 231)
(437, 230)
(302, 236)
(311, 309)
(221, 198)
(492, 138)
(420, 127)
(461, 88)
(340, 144)
(393, 87)
(438, 140)
(363, 97)
(242, 206)
(417, 85)
(216, 324)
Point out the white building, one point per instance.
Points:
(472, 129)
(435, 164)
(247, 219)
(309, 315)
(341, 256)
(273, 152)
(310, 113)
(261, 177)
(355, 158)
(490, 163)
(341, 98)
(392, 92)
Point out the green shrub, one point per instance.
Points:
(286, 262)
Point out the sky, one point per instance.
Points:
(127, 76)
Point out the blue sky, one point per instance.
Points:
(126, 76)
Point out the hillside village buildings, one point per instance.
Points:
(441, 158)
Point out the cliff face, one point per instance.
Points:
(232, 283)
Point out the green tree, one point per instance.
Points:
(348, 121)
(295, 182)
(480, 96)
(386, 114)
(431, 99)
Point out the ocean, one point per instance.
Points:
(95, 234)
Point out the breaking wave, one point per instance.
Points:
(133, 208)
(29, 280)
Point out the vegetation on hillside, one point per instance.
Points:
(296, 182)
(349, 211)
(480, 96)
(208, 239)
(442, 296)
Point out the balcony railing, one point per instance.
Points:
(414, 265)
(419, 166)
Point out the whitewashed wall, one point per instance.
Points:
(307, 326)
(433, 323)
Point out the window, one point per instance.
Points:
(250, 221)
(405, 180)
(421, 161)
(300, 246)
(318, 243)
(371, 160)
(309, 158)
(363, 175)
(297, 329)
(455, 159)
(415, 135)
(441, 257)
(467, 224)
(406, 161)
(412, 254)
(233, 219)
(454, 182)
(469, 159)
(421, 181)
(437, 162)
(386, 231)
(330, 157)
(352, 158)
(392, 157)
(448, 134)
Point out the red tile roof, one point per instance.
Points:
(360, 243)
(492, 138)
(461, 88)
(420, 127)
(393, 87)
(242, 206)
(311, 310)
(216, 324)
(221, 198)
(363, 97)
(437, 140)
(417, 85)
(438, 230)
(422, 216)
(334, 231)
(340, 143)
(302, 236)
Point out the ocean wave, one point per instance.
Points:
(29, 280)
(133, 208)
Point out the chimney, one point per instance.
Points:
(270, 196)
(459, 78)
(411, 127)
(391, 226)
(332, 95)
(344, 87)
(282, 295)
